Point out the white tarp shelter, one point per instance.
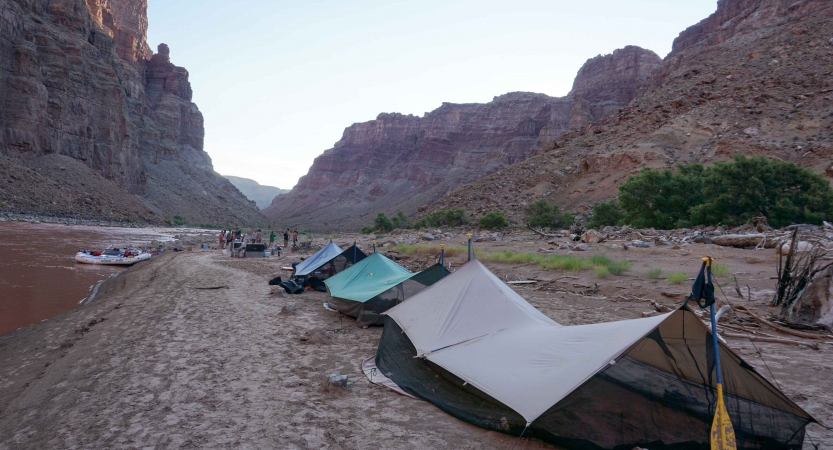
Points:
(476, 349)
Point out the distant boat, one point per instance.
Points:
(112, 257)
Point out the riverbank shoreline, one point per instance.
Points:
(157, 360)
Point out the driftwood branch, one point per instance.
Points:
(779, 327)
(812, 345)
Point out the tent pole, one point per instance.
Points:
(469, 235)
(354, 251)
(722, 432)
(442, 260)
(374, 246)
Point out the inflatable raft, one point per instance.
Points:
(112, 258)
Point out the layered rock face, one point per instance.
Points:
(78, 79)
(755, 78)
(401, 162)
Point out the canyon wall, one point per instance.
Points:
(78, 80)
(755, 77)
(402, 162)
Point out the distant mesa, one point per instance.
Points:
(256, 192)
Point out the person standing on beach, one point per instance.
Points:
(222, 239)
(258, 237)
(286, 238)
(229, 238)
(272, 237)
(294, 238)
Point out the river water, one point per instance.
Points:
(39, 277)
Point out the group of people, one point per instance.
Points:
(226, 237)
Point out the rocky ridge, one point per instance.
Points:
(77, 79)
(403, 161)
(756, 77)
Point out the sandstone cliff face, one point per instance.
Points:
(753, 78)
(78, 79)
(258, 193)
(403, 162)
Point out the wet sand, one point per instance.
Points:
(171, 366)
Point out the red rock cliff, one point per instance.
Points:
(402, 162)
(78, 79)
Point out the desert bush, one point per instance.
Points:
(400, 220)
(541, 214)
(606, 213)
(720, 270)
(655, 273)
(676, 277)
(728, 193)
(602, 271)
(443, 217)
(493, 220)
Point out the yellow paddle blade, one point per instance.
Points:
(723, 435)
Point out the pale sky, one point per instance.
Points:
(278, 81)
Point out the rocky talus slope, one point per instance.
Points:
(258, 193)
(756, 78)
(404, 161)
(78, 80)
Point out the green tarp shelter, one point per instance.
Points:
(374, 285)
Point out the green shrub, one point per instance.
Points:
(369, 229)
(655, 273)
(493, 220)
(601, 260)
(727, 193)
(541, 214)
(619, 267)
(400, 220)
(602, 271)
(720, 270)
(661, 198)
(606, 213)
(178, 220)
(382, 223)
(443, 217)
(782, 191)
(676, 277)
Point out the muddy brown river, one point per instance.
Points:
(39, 277)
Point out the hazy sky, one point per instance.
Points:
(278, 81)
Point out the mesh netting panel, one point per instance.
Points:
(425, 380)
(369, 312)
(628, 404)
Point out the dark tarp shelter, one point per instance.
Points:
(328, 261)
(375, 285)
(474, 348)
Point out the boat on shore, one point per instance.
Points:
(112, 257)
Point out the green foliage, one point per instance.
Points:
(676, 277)
(493, 220)
(619, 267)
(655, 273)
(661, 198)
(382, 223)
(400, 220)
(424, 250)
(443, 217)
(541, 214)
(369, 229)
(602, 271)
(730, 193)
(606, 213)
(720, 270)
(782, 191)
(178, 220)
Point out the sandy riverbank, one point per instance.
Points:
(172, 366)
